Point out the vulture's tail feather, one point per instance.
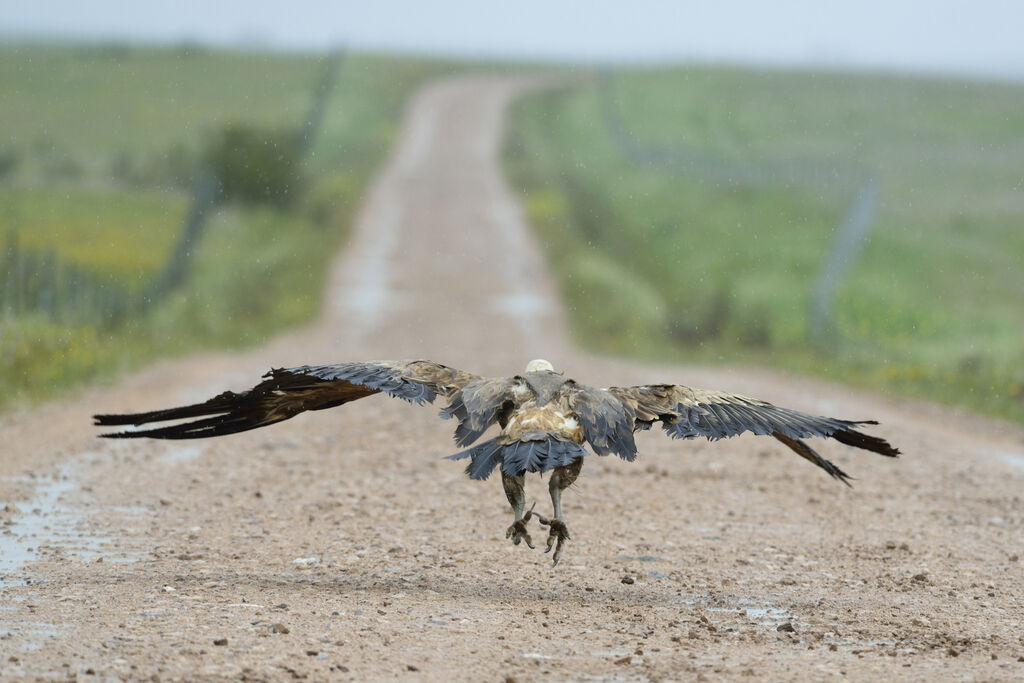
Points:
(518, 457)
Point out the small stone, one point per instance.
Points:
(90, 671)
(1014, 557)
(410, 667)
(279, 628)
(221, 641)
(628, 580)
(920, 578)
(624, 660)
(786, 628)
(312, 653)
(952, 652)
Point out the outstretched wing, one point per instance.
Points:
(284, 393)
(687, 413)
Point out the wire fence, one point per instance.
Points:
(802, 172)
(38, 282)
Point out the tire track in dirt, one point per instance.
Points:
(339, 545)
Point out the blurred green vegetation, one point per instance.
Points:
(87, 108)
(258, 165)
(672, 265)
(98, 154)
(126, 234)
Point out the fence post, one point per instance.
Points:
(848, 242)
(10, 274)
(318, 105)
(204, 197)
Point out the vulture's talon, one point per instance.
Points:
(518, 533)
(557, 537)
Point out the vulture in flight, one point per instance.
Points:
(544, 417)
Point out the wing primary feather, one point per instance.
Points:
(218, 404)
(808, 453)
(874, 444)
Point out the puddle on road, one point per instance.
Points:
(766, 615)
(762, 613)
(1010, 458)
(44, 524)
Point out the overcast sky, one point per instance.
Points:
(954, 36)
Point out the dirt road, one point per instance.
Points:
(340, 545)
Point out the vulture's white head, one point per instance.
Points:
(539, 365)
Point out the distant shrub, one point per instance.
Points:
(9, 160)
(256, 165)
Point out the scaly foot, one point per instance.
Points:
(517, 532)
(557, 537)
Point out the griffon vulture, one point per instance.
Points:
(545, 418)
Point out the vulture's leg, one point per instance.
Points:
(561, 479)
(515, 491)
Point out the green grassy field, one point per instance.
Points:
(689, 265)
(127, 234)
(81, 108)
(98, 147)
